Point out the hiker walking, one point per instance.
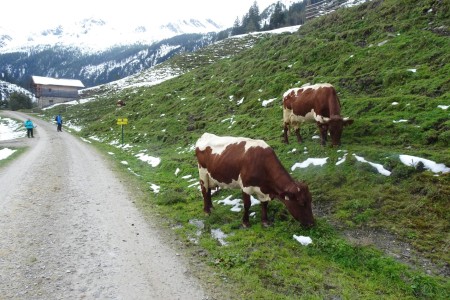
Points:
(59, 121)
(29, 126)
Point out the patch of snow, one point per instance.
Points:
(11, 129)
(308, 162)
(155, 188)
(153, 161)
(304, 240)
(379, 167)
(6, 152)
(429, 164)
(266, 102)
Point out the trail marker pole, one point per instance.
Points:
(121, 122)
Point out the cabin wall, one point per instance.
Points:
(56, 91)
(47, 101)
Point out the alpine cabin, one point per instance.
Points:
(49, 91)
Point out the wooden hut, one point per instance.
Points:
(49, 91)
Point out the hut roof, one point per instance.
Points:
(57, 81)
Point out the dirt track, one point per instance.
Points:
(69, 229)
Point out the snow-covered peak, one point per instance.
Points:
(97, 34)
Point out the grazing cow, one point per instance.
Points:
(314, 103)
(252, 166)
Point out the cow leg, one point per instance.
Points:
(299, 137)
(323, 129)
(247, 204)
(323, 139)
(264, 220)
(285, 134)
(207, 203)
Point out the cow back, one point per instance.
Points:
(322, 99)
(225, 158)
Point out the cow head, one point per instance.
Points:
(335, 125)
(297, 200)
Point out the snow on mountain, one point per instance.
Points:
(7, 89)
(96, 34)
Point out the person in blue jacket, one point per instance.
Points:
(59, 121)
(29, 126)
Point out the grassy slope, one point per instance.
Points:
(343, 49)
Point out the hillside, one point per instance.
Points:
(376, 236)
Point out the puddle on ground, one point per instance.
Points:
(218, 234)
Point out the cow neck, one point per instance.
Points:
(281, 180)
(334, 104)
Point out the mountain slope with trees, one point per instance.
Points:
(376, 236)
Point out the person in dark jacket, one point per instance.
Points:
(59, 121)
(29, 126)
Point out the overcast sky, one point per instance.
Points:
(30, 15)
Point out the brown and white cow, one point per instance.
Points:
(252, 166)
(314, 103)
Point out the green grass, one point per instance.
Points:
(366, 53)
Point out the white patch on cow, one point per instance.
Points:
(305, 87)
(255, 190)
(290, 90)
(321, 119)
(219, 143)
(295, 121)
(209, 182)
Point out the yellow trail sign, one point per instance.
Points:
(123, 121)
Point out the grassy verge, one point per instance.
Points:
(388, 60)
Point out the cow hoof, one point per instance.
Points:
(266, 224)
(245, 225)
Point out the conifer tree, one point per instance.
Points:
(278, 18)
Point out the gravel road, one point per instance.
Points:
(69, 229)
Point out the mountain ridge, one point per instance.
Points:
(71, 51)
(85, 34)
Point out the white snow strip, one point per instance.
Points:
(310, 161)
(6, 152)
(429, 165)
(153, 161)
(379, 167)
(304, 240)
